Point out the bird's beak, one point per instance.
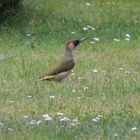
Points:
(83, 39)
(77, 42)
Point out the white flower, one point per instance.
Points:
(73, 74)
(79, 98)
(87, 4)
(94, 120)
(86, 88)
(80, 78)
(60, 117)
(85, 29)
(92, 42)
(73, 124)
(1, 124)
(100, 116)
(25, 116)
(117, 40)
(73, 90)
(28, 35)
(90, 27)
(47, 117)
(38, 122)
(115, 134)
(95, 70)
(29, 96)
(127, 72)
(73, 32)
(52, 97)
(11, 101)
(75, 120)
(10, 129)
(127, 35)
(96, 38)
(134, 128)
(60, 114)
(32, 122)
(127, 39)
(97, 118)
(120, 68)
(64, 119)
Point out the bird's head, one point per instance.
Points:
(72, 44)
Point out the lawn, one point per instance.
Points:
(100, 100)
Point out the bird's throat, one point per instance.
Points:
(70, 54)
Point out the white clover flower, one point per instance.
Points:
(11, 101)
(134, 128)
(75, 120)
(52, 97)
(85, 29)
(73, 32)
(80, 78)
(10, 129)
(38, 122)
(73, 90)
(96, 38)
(120, 68)
(94, 120)
(127, 35)
(127, 72)
(60, 117)
(25, 116)
(115, 135)
(64, 119)
(28, 34)
(73, 124)
(32, 122)
(1, 124)
(115, 39)
(79, 98)
(127, 39)
(60, 114)
(73, 74)
(86, 88)
(90, 27)
(100, 116)
(95, 70)
(72, 70)
(97, 118)
(47, 117)
(29, 96)
(87, 4)
(92, 42)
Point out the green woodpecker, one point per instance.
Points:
(64, 67)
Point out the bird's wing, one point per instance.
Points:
(65, 65)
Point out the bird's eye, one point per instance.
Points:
(76, 42)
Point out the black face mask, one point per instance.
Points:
(76, 42)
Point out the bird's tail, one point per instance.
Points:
(48, 77)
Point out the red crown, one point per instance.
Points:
(69, 42)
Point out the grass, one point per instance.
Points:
(112, 91)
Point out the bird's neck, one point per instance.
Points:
(70, 53)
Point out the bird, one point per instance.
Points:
(64, 67)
